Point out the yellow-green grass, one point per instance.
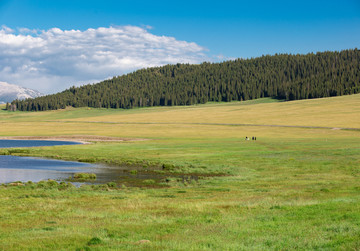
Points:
(327, 112)
(294, 188)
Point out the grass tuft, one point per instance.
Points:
(83, 176)
(94, 241)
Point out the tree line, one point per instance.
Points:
(281, 76)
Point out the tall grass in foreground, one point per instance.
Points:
(294, 188)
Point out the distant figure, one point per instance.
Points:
(252, 138)
(255, 138)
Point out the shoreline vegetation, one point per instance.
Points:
(293, 188)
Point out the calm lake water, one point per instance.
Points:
(6, 143)
(14, 168)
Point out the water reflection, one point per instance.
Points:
(7, 143)
(14, 168)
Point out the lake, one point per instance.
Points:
(14, 168)
(7, 143)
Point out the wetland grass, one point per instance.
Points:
(294, 188)
(83, 176)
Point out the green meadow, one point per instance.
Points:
(296, 187)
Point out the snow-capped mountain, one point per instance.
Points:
(9, 92)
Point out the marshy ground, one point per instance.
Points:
(295, 187)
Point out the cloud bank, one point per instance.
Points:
(55, 59)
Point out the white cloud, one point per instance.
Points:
(56, 59)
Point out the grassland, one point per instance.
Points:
(296, 187)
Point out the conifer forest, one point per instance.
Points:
(281, 76)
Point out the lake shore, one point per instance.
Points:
(292, 188)
(82, 139)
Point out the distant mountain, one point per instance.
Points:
(9, 92)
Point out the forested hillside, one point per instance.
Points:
(288, 77)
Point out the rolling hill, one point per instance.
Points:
(288, 77)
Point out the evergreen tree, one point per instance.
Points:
(282, 76)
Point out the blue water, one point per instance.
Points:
(14, 168)
(6, 143)
(15, 162)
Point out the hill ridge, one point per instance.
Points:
(283, 76)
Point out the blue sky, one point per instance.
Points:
(223, 29)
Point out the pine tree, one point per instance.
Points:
(281, 76)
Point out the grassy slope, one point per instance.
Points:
(294, 188)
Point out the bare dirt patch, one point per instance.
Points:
(85, 139)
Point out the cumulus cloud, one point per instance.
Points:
(56, 59)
